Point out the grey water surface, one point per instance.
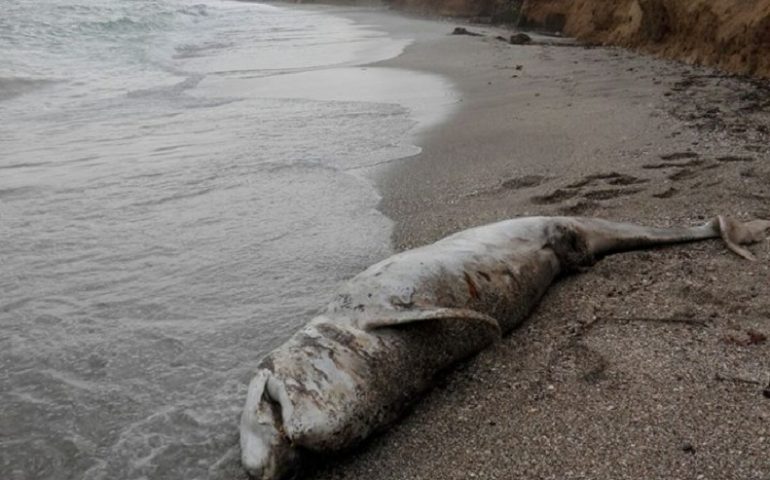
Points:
(158, 237)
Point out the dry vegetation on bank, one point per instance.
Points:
(733, 35)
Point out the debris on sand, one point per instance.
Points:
(520, 39)
(465, 31)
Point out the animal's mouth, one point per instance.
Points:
(266, 451)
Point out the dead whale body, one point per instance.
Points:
(352, 370)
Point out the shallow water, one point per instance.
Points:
(182, 184)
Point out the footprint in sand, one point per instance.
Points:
(515, 183)
(526, 181)
(668, 193)
(575, 189)
(756, 148)
(679, 156)
(685, 163)
(657, 166)
(609, 193)
(581, 207)
(557, 196)
(734, 158)
(683, 174)
(675, 160)
(627, 180)
(612, 178)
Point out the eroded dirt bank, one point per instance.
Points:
(733, 35)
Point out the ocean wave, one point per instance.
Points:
(159, 18)
(174, 197)
(126, 24)
(167, 90)
(21, 192)
(14, 86)
(192, 51)
(271, 166)
(24, 165)
(197, 10)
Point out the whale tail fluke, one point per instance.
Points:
(735, 234)
(605, 237)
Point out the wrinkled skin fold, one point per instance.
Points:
(378, 345)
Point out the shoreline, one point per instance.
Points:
(589, 386)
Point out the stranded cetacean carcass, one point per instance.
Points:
(378, 345)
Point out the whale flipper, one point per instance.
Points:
(396, 318)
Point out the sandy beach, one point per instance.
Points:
(185, 185)
(650, 364)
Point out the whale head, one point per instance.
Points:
(266, 451)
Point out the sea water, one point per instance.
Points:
(182, 185)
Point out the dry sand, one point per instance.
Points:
(650, 364)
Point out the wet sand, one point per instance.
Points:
(650, 364)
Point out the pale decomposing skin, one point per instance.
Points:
(352, 370)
